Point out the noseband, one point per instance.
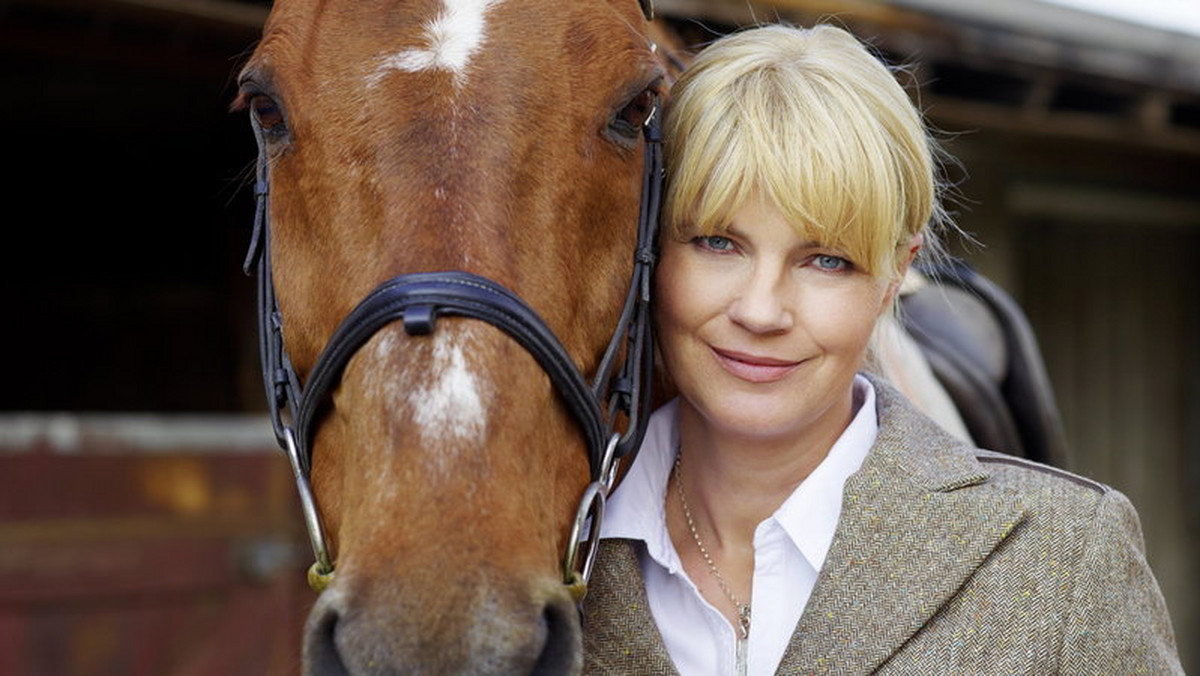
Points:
(418, 300)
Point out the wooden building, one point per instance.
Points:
(144, 522)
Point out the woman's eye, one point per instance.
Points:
(714, 243)
(831, 263)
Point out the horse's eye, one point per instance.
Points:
(637, 111)
(268, 115)
(629, 120)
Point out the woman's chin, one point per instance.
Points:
(764, 418)
(752, 422)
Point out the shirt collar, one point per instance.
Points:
(635, 511)
(809, 516)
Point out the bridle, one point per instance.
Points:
(417, 300)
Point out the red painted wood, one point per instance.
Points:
(133, 564)
(14, 643)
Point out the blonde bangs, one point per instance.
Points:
(815, 125)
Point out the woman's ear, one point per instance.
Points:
(906, 254)
(914, 247)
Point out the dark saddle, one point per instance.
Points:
(982, 350)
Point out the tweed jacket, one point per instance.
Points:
(946, 560)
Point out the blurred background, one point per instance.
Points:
(147, 522)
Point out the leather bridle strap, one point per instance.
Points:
(418, 300)
(279, 377)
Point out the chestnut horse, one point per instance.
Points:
(488, 151)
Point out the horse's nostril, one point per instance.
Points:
(321, 656)
(560, 653)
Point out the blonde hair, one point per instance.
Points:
(811, 121)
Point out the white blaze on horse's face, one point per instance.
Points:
(449, 408)
(452, 39)
(447, 399)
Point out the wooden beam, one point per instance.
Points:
(240, 16)
(218, 11)
(955, 115)
(750, 12)
(1089, 204)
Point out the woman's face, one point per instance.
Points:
(763, 330)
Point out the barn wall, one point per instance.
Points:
(1099, 243)
(148, 545)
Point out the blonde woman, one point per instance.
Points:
(788, 514)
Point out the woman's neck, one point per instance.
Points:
(736, 482)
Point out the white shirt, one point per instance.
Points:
(789, 547)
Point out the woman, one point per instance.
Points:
(787, 513)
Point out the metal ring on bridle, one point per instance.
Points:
(321, 572)
(591, 506)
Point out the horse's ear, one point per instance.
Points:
(647, 9)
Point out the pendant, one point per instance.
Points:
(743, 640)
(742, 666)
(744, 619)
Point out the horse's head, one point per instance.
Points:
(499, 137)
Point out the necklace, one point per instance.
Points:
(743, 609)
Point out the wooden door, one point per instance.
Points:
(139, 546)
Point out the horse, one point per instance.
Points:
(473, 171)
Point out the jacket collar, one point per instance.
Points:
(909, 537)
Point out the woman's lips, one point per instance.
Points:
(753, 368)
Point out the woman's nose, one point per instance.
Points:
(762, 303)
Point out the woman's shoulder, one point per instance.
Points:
(938, 459)
(1085, 537)
(905, 429)
(1039, 480)
(1055, 500)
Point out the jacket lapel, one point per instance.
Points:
(915, 524)
(619, 633)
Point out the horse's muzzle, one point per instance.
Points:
(368, 636)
